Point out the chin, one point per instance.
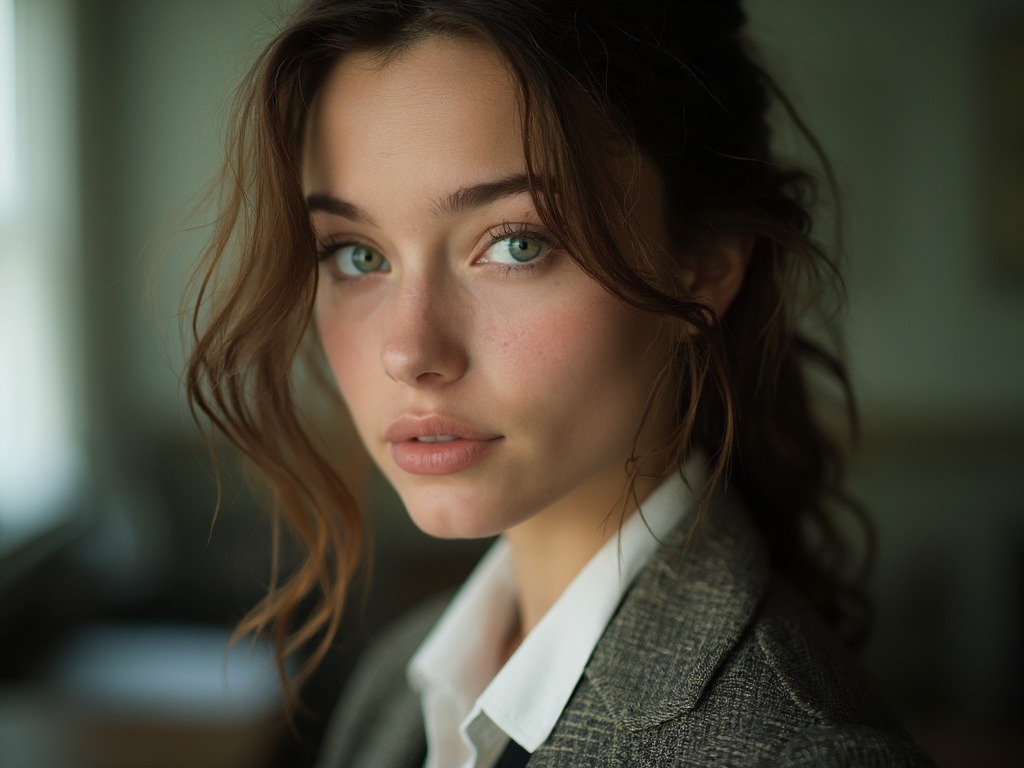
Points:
(454, 519)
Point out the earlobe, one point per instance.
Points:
(714, 273)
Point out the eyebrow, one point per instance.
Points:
(465, 198)
(321, 201)
(480, 195)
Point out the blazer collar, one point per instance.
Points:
(685, 613)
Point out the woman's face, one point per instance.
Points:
(489, 377)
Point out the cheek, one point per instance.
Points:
(350, 352)
(575, 355)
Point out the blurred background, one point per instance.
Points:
(117, 591)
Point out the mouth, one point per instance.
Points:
(437, 444)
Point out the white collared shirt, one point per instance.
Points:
(472, 705)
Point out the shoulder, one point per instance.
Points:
(850, 745)
(793, 694)
(378, 710)
(846, 720)
(810, 666)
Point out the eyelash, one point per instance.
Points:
(326, 250)
(507, 230)
(503, 231)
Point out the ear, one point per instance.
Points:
(714, 270)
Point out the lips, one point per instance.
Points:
(437, 444)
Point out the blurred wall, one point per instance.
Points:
(895, 91)
(155, 80)
(156, 83)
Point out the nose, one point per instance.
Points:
(425, 344)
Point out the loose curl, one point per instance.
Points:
(669, 83)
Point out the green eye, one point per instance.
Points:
(355, 260)
(518, 249)
(523, 249)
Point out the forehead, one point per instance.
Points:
(442, 98)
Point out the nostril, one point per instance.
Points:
(429, 376)
(424, 359)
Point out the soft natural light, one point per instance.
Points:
(38, 455)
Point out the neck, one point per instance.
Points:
(552, 547)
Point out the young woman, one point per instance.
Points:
(556, 274)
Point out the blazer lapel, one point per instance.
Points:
(675, 627)
(684, 614)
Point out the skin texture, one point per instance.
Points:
(538, 358)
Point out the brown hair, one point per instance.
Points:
(673, 81)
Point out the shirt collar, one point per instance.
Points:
(480, 613)
(454, 669)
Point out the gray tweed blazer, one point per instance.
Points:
(709, 661)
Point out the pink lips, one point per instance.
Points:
(437, 444)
